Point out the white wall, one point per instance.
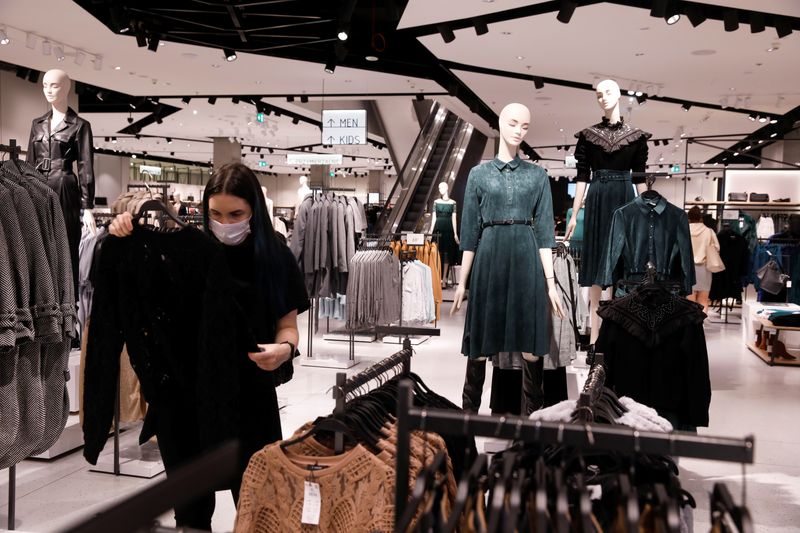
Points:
(402, 128)
(111, 175)
(776, 183)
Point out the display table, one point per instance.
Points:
(768, 355)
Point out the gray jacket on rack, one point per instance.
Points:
(563, 342)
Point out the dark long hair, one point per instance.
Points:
(238, 180)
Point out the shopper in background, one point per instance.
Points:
(271, 293)
(705, 248)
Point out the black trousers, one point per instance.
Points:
(515, 392)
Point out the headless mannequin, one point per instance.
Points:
(303, 191)
(444, 193)
(514, 122)
(270, 204)
(608, 96)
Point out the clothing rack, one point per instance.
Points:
(586, 437)
(345, 387)
(13, 150)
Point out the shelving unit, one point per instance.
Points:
(767, 355)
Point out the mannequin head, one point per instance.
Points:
(444, 189)
(515, 120)
(177, 197)
(56, 85)
(303, 181)
(608, 95)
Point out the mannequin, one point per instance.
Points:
(303, 191)
(607, 153)
(508, 208)
(443, 222)
(177, 204)
(270, 205)
(58, 139)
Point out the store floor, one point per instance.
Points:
(748, 398)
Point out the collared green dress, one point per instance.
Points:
(508, 305)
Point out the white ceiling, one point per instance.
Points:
(424, 12)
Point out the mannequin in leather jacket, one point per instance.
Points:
(59, 139)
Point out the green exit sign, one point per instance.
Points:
(260, 117)
(675, 169)
(262, 163)
(332, 173)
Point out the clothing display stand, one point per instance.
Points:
(345, 387)
(13, 151)
(586, 437)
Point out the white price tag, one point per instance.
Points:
(312, 502)
(415, 239)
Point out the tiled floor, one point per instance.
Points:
(748, 398)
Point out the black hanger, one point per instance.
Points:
(158, 205)
(668, 508)
(466, 487)
(424, 483)
(630, 500)
(501, 484)
(512, 516)
(540, 498)
(722, 505)
(584, 505)
(322, 425)
(562, 502)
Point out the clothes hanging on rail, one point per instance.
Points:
(736, 258)
(564, 341)
(37, 314)
(766, 227)
(649, 230)
(429, 255)
(418, 304)
(655, 352)
(373, 290)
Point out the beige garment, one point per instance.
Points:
(132, 406)
(703, 237)
(356, 493)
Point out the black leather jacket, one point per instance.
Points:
(53, 154)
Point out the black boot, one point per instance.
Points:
(532, 386)
(473, 384)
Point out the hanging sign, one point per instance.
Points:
(415, 239)
(344, 126)
(313, 159)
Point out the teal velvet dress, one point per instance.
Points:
(448, 249)
(508, 305)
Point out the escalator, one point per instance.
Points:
(445, 150)
(419, 200)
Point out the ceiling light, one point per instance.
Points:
(566, 10)
(169, 141)
(520, 57)
(230, 55)
(659, 8)
(481, 28)
(762, 119)
(107, 139)
(59, 53)
(673, 19)
(772, 48)
(46, 48)
(731, 19)
(141, 40)
(752, 117)
(30, 40)
(538, 82)
(212, 100)
(631, 92)
(194, 111)
(447, 34)
(641, 99)
(4, 36)
(773, 135)
(98, 63)
(371, 58)
(290, 98)
(235, 99)
(113, 140)
(696, 14)
(686, 106)
(186, 99)
(130, 120)
(756, 22)
(735, 154)
(343, 31)
(295, 120)
(118, 67)
(783, 27)
(639, 93)
(330, 66)
(153, 43)
(304, 99)
(80, 57)
(773, 121)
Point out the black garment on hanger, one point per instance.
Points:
(655, 353)
(736, 257)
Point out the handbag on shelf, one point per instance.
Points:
(737, 196)
(770, 277)
(759, 197)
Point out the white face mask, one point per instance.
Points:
(230, 234)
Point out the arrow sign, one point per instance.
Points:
(344, 126)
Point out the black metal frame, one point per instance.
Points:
(582, 436)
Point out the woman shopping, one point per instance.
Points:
(707, 261)
(268, 287)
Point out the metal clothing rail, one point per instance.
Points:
(582, 436)
(345, 387)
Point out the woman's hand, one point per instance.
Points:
(122, 225)
(458, 241)
(271, 356)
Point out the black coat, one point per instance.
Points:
(655, 352)
(736, 257)
(169, 297)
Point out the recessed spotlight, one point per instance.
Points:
(505, 33)
(773, 121)
(194, 111)
(520, 57)
(371, 58)
(771, 49)
(4, 36)
(673, 19)
(735, 154)
(772, 136)
(762, 119)
(752, 117)
(230, 55)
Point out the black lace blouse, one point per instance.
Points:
(607, 146)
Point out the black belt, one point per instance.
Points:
(507, 222)
(46, 164)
